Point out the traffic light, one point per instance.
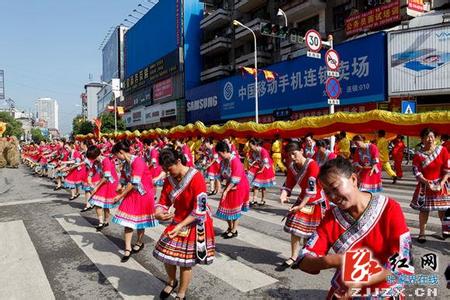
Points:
(273, 30)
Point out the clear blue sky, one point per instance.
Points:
(48, 48)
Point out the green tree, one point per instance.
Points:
(37, 136)
(108, 123)
(81, 126)
(13, 127)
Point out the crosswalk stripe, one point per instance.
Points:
(132, 280)
(22, 274)
(231, 271)
(31, 201)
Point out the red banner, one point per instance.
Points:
(163, 89)
(374, 18)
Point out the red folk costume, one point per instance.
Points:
(188, 154)
(91, 176)
(213, 171)
(321, 159)
(397, 156)
(74, 177)
(261, 174)
(237, 199)
(304, 222)
(106, 193)
(137, 209)
(364, 160)
(381, 229)
(309, 152)
(432, 166)
(196, 245)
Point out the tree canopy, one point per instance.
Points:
(13, 127)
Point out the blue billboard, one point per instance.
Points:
(153, 36)
(299, 84)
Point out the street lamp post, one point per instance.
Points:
(114, 90)
(237, 23)
(282, 13)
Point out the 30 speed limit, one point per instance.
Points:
(313, 40)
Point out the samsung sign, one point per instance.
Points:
(299, 84)
(201, 104)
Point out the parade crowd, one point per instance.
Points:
(339, 206)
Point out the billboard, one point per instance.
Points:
(375, 18)
(299, 84)
(419, 61)
(110, 55)
(2, 84)
(153, 36)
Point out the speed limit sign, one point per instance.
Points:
(313, 40)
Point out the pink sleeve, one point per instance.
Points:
(237, 171)
(107, 169)
(375, 154)
(200, 207)
(312, 173)
(137, 170)
(164, 200)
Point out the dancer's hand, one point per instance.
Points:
(174, 232)
(164, 216)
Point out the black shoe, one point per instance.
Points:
(225, 233)
(184, 298)
(212, 193)
(57, 188)
(74, 197)
(252, 203)
(165, 295)
(125, 258)
(394, 180)
(421, 239)
(87, 208)
(140, 247)
(230, 235)
(288, 263)
(100, 226)
(262, 203)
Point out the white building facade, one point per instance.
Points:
(47, 109)
(91, 91)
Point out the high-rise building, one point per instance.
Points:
(47, 110)
(91, 91)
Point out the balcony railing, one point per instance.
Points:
(216, 19)
(299, 9)
(217, 45)
(242, 32)
(264, 58)
(215, 72)
(248, 5)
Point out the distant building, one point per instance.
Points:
(91, 91)
(47, 110)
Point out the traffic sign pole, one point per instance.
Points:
(332, 139)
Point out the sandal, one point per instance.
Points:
(262, 203)
(252, 203)
(74, 197)
(421, 239)
(140, 247)
(57, 188)
(231, 234)
(125, 258)
(100, 226)
(289, 262)
(184, 298)
(164, 294)
(225, 232)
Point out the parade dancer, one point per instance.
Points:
(213, 167)
(431, 168)
(187, 153)
(74, 172)
(309, 148)
(63, 157)
(260, 173)
(235, 197)
(137, 209)
(307, 212)
(361, 221)
(367, 161)
(383, 148)
(323, 154)
(104, 192)
(189, 239)
(397, 155)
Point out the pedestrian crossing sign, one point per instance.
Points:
(408, 107)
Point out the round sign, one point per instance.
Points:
(313, 40)
(333, 88)
(332, 60)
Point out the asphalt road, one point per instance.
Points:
(50, 250)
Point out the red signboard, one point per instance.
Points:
(163, 89)
(416, 5)
(374, 18)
